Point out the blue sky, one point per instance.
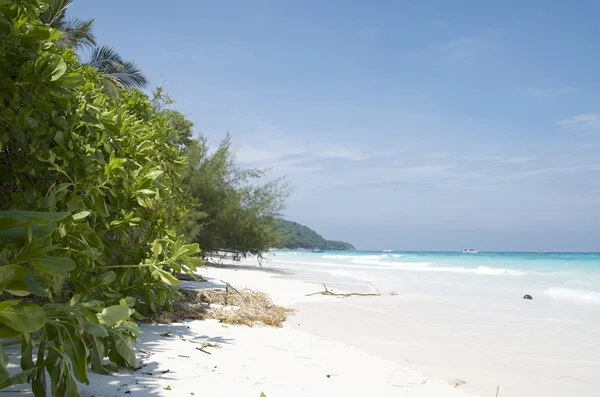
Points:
(430, 125)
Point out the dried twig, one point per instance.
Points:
(572, 377)
(329, 293)
(203, 351)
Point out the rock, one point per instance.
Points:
(527, 297)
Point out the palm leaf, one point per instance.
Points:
(55, 13)
(77, 33)
(116, 72)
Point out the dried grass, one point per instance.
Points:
(244, 307)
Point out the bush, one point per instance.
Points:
(92, 210)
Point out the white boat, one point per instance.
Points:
(387, 250)
(470, 251)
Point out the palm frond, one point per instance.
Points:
(55, 13)
(76, 33)
(116, 72)
(129, 75)
(104, 57)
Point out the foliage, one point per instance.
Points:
(236, 213)
(92, 210)
(295, 235)
(74, 32)
(116, 73)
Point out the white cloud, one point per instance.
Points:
(340, 153)
(581, 122)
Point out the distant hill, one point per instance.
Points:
(297, 236)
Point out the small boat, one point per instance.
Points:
(470, 251)
(387, 250)
(318, 251)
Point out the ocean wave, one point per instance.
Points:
(427, 267)
(577, 295)
(346, 257)
(480, 270)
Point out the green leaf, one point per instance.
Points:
(27, 317)
(92, 325)
(167, 277)
(124, 346)
(72, 80)
(59, 70)
(153, 174)
(113, 314)
(193, 263)
(113, 164)
(97, 353)
(11, 219)
(77, 352)
(107, 277)
(27, 285)
(17, 379)
(81, 215)
(6, 332)
(53, 265)
(7, 304)
(156, 248)
(11, 273)
(187, 249)
(26, 351)
(38, 384)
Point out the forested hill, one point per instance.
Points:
(295, 235)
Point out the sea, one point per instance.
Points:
(460, 317)
(572, 277)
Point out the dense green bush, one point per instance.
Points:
(92, 210)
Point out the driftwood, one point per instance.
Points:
(329, 293)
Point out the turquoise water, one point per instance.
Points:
(567, 277)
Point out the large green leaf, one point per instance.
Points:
(27, 285)
(167, 277)
(10, 219)
(97, 352)
(113, 314)
(54, 265)
(27, 317)
(187, 249)
(20, 233)
(124, 346)
(11, 273)
(77, 352)
(92, 325)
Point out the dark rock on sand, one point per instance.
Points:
(527, 297)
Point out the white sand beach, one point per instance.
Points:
(352, 347)
(250, 361)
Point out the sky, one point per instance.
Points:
(409, 125)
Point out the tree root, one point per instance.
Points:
(329, 293)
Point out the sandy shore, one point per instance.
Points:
(249, 361)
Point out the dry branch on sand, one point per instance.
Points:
(329, 293)
(243, 307)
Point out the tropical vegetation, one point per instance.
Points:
(296, 236)
(105, 195)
